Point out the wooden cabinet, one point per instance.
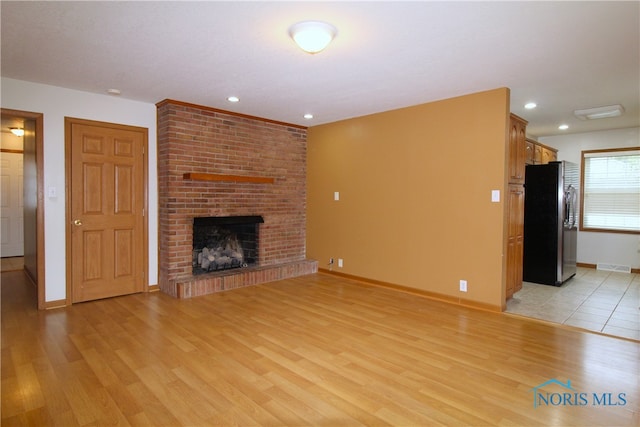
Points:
(529, 150)
(517, 149)
(515, 238)
(521, 152)
(539, 154)
(549, 155)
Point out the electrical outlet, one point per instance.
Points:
(340, 263)
(463, 286)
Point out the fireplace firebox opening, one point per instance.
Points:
(225, 242)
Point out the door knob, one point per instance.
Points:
(77, 222)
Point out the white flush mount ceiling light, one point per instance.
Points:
(308, 116)
(233, 99)
(17, 131)
(563, 127)
(600, 112)
(312, 36)
(530, 105)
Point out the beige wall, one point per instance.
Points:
(415, 204)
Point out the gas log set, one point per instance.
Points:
(221, 243)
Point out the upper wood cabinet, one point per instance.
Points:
(539, 154)
(529, 150)
(549, 155)
(517, 149)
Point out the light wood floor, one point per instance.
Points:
(315, 350)
(11, 264)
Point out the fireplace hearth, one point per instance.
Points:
(224, 243)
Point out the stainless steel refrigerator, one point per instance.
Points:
(550, 222)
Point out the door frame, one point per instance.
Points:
(40, 256)
(68, 122)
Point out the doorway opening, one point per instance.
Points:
(30, 195)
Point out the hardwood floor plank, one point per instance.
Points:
(286, 415)
(33, 397)
(125, 401)
(51, 388)
(313, 350)
(293, 392)
(159, 380)
(243, 381)
(411, 386)
(154, 410)
(13, 402)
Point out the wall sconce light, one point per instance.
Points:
(17, 131)
(312, 36)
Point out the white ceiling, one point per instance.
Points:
(387, 55)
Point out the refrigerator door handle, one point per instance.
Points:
(567, 209)
(571, 202)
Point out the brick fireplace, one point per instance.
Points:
(213, 163)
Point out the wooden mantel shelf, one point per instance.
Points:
(220, 177)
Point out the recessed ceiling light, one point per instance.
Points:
(308, 116)
(233, 99)
(563, 127)
(530, 105)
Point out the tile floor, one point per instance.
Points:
(12, 263)
(602, 301)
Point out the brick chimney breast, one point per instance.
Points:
(268, 161)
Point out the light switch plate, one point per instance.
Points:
(495, 196)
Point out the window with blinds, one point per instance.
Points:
(611, 190)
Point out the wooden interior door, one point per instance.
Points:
(107, 190)
(11, 204)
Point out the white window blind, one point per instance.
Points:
(611, 190)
